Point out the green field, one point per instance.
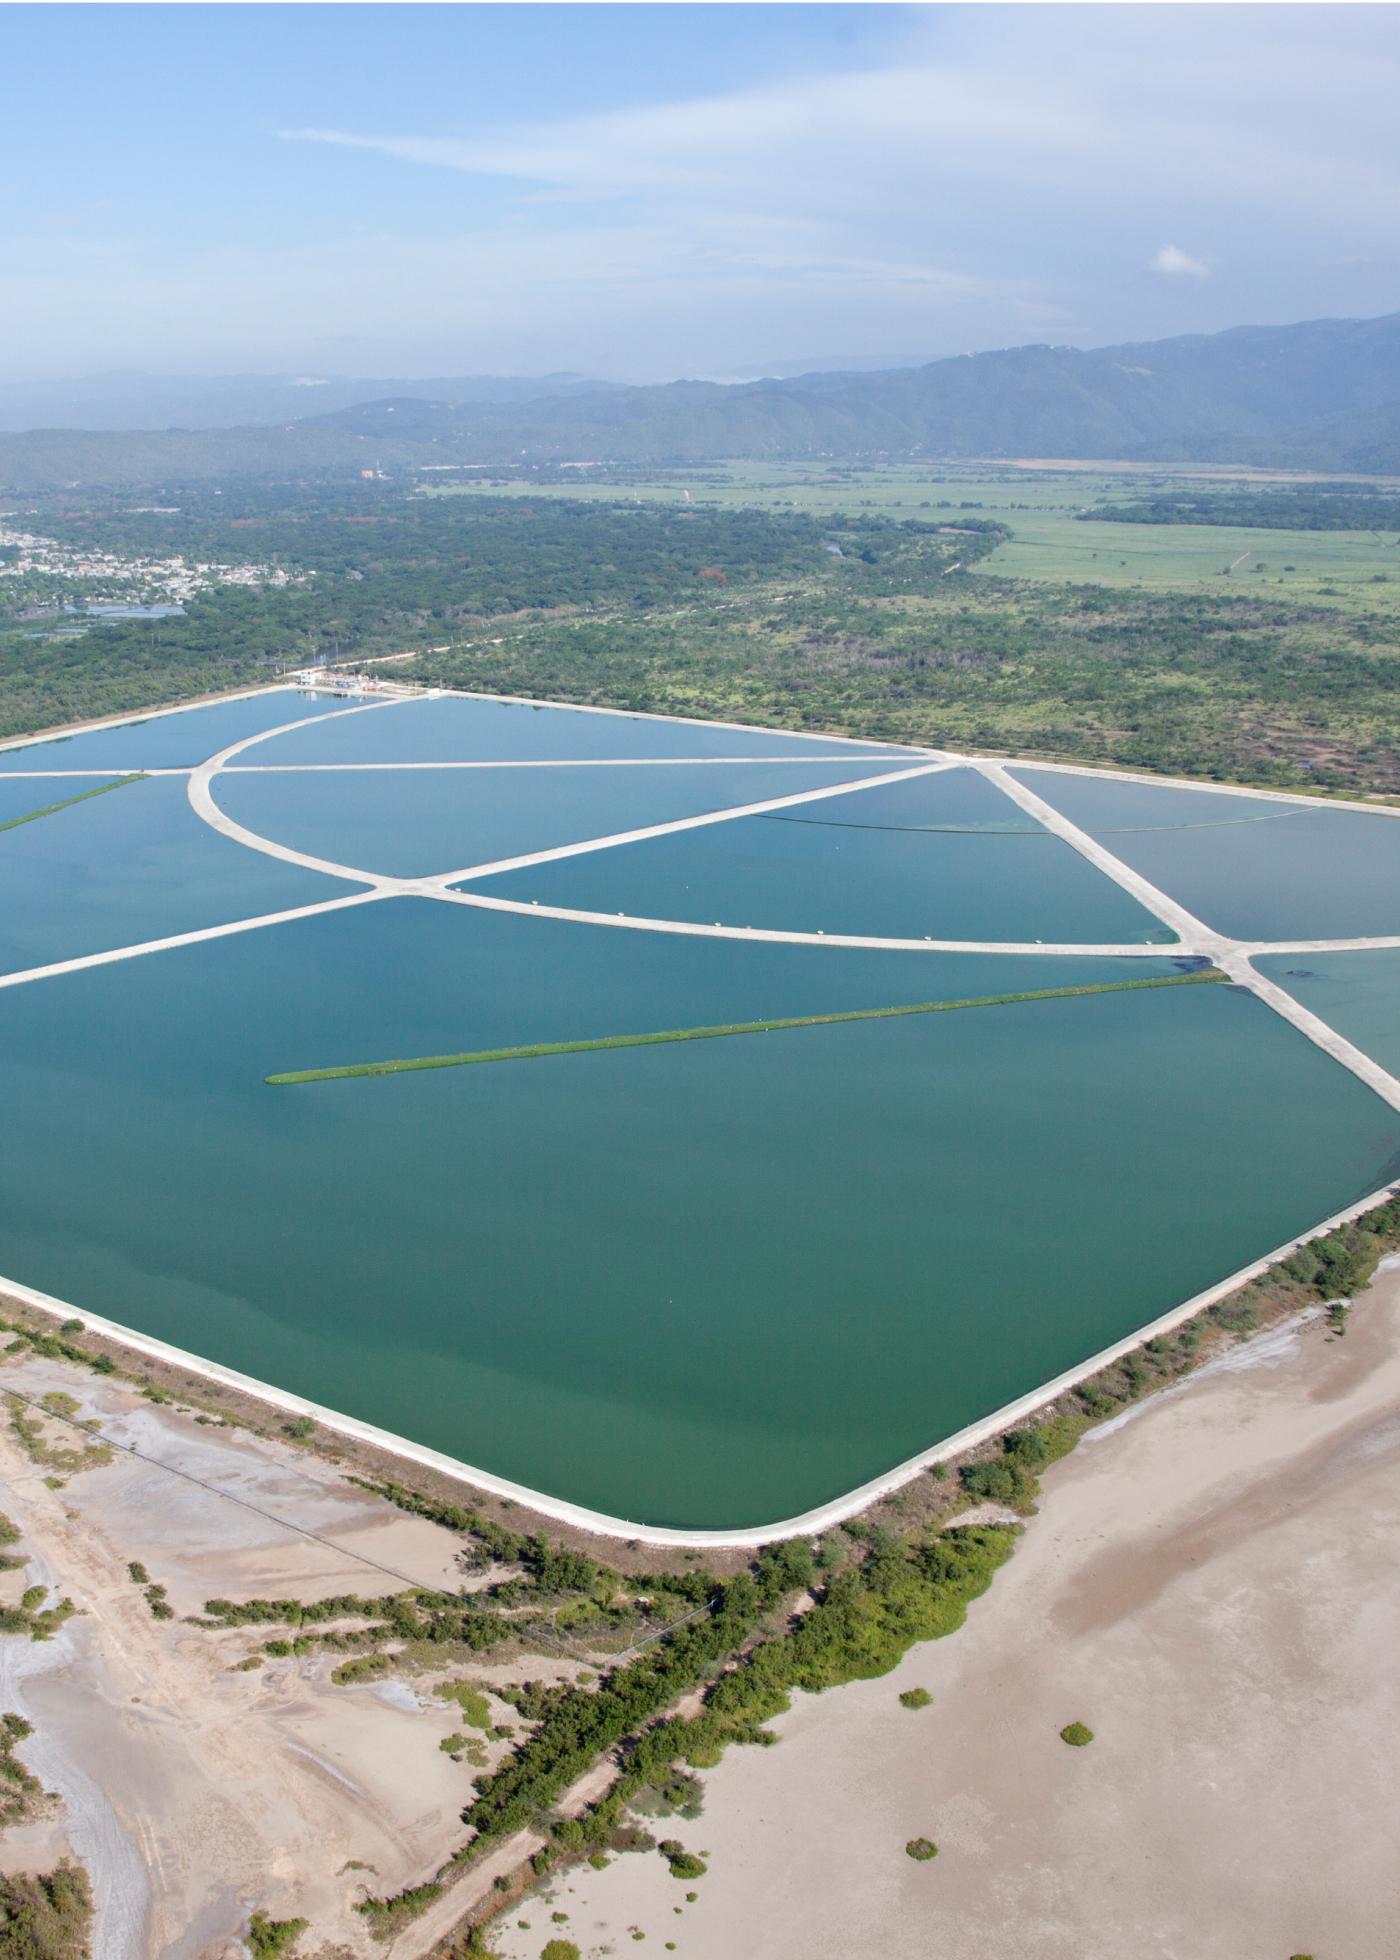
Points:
(1051, 538)
(1058, 547)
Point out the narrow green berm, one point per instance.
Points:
(50, 809)
(1209, 976)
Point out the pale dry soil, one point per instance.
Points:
(193, 1793)
(1213, 1586)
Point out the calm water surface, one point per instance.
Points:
(1358, 994)
(945, 856)
(134, 864)
(173, 741)
(704, 1285)
(1253, 869)
(411, 822)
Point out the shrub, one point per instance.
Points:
(271, 1939)
(559, 1950)
(48, 1917)
(1076, 1735)
(915, 1698)
(386, 1916)
(922, 1848)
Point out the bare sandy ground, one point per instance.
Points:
(1213, 1586)
(193, 1793)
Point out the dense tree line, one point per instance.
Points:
(405, 572)
(1290, 507)
(1232, 688)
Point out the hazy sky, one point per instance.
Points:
(643, 191)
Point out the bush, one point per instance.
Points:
(559, 1950)
(271, 1939)
(1076, 1735)
(387, 1916)
(683, 1863)
(922, 1848)
(45, 1918)
(915, 1698)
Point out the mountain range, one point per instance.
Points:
(1323, 394)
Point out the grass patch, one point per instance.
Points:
(1076, 1735)
(535, 1050)
(921, 1848)
(915, 1698)
(52, 809)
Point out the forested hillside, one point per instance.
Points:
(1324, 395)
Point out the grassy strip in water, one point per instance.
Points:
(536, 1049)
(51, 809)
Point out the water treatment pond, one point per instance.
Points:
(707, 1284)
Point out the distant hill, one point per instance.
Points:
(129, 400)
(1323, 395)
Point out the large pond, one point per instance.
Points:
(704, 1285)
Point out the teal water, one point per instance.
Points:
(452, 729)
(134, 864)
(411, 822)
(945, 856)
(704, 1285)
(19, 799)
(1252, 869)
(173, 741)
(1358, 994)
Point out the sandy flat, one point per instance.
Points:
(1214, 1587)
(192, 1793)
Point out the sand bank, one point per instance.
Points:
(1213, 1587)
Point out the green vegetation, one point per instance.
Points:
(45, 1918)
(1289, 692)
(1277, 507)
(394, 571)
(53, 1456)
(921, 1848)
(683, 1863)
(50, 809)
(389, 1916)
(272, 1939)
(39, 1622)
(559, 1950)
(476, 1710)
(531, 1053)
(1076, 1735)
(915, 1698)
(21, 1792)
(865, 1618)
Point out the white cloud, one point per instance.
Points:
(1178, 264)
(989, 188)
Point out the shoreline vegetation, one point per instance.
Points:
(52, 809)
(531, 1052)
(808, 1613)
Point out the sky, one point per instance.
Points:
(643, 192)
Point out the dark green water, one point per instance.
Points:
(945, 856)
(1253, 869)
(132, 865)
(413, 822)
(1358, 994)
(705, 1285)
